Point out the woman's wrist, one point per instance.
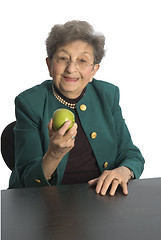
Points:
(51, 155)
(131, 173)
(49, 164)
(128, 172)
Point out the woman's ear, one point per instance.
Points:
(48, 62)
(95, 69)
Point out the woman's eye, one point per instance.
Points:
(63, 59)
(83, 60)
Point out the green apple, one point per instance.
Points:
(60, 116)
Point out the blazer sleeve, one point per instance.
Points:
(128, 154)
(28, 147)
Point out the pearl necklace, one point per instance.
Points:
(60, 99)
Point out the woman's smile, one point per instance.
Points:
(70, 79)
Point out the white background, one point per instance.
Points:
(133, 60)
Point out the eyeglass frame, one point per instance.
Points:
(68, 62)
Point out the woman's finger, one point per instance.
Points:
(114, 186)
(50, 128)
(107, 183)
(93, 182)
(70, 135)
(103, 182)
(64, 128)
(124, 188)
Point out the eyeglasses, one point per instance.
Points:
(80, 63)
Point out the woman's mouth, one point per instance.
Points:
(70, 79)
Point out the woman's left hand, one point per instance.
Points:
(113, 178)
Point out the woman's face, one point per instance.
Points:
(72, 68)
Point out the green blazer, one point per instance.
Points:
(112, 144)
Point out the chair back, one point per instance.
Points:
(7, 145)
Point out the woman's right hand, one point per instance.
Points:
(61, 141)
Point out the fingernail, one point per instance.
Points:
(103, 193)
(111, 194)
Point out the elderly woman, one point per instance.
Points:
(98, 148)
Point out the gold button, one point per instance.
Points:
(93, 135)
(105, 165)
(83, 107)
(37, 180)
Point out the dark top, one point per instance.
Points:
(81, 157)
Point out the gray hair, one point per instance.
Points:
(75, 30)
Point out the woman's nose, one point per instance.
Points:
(71, 67)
